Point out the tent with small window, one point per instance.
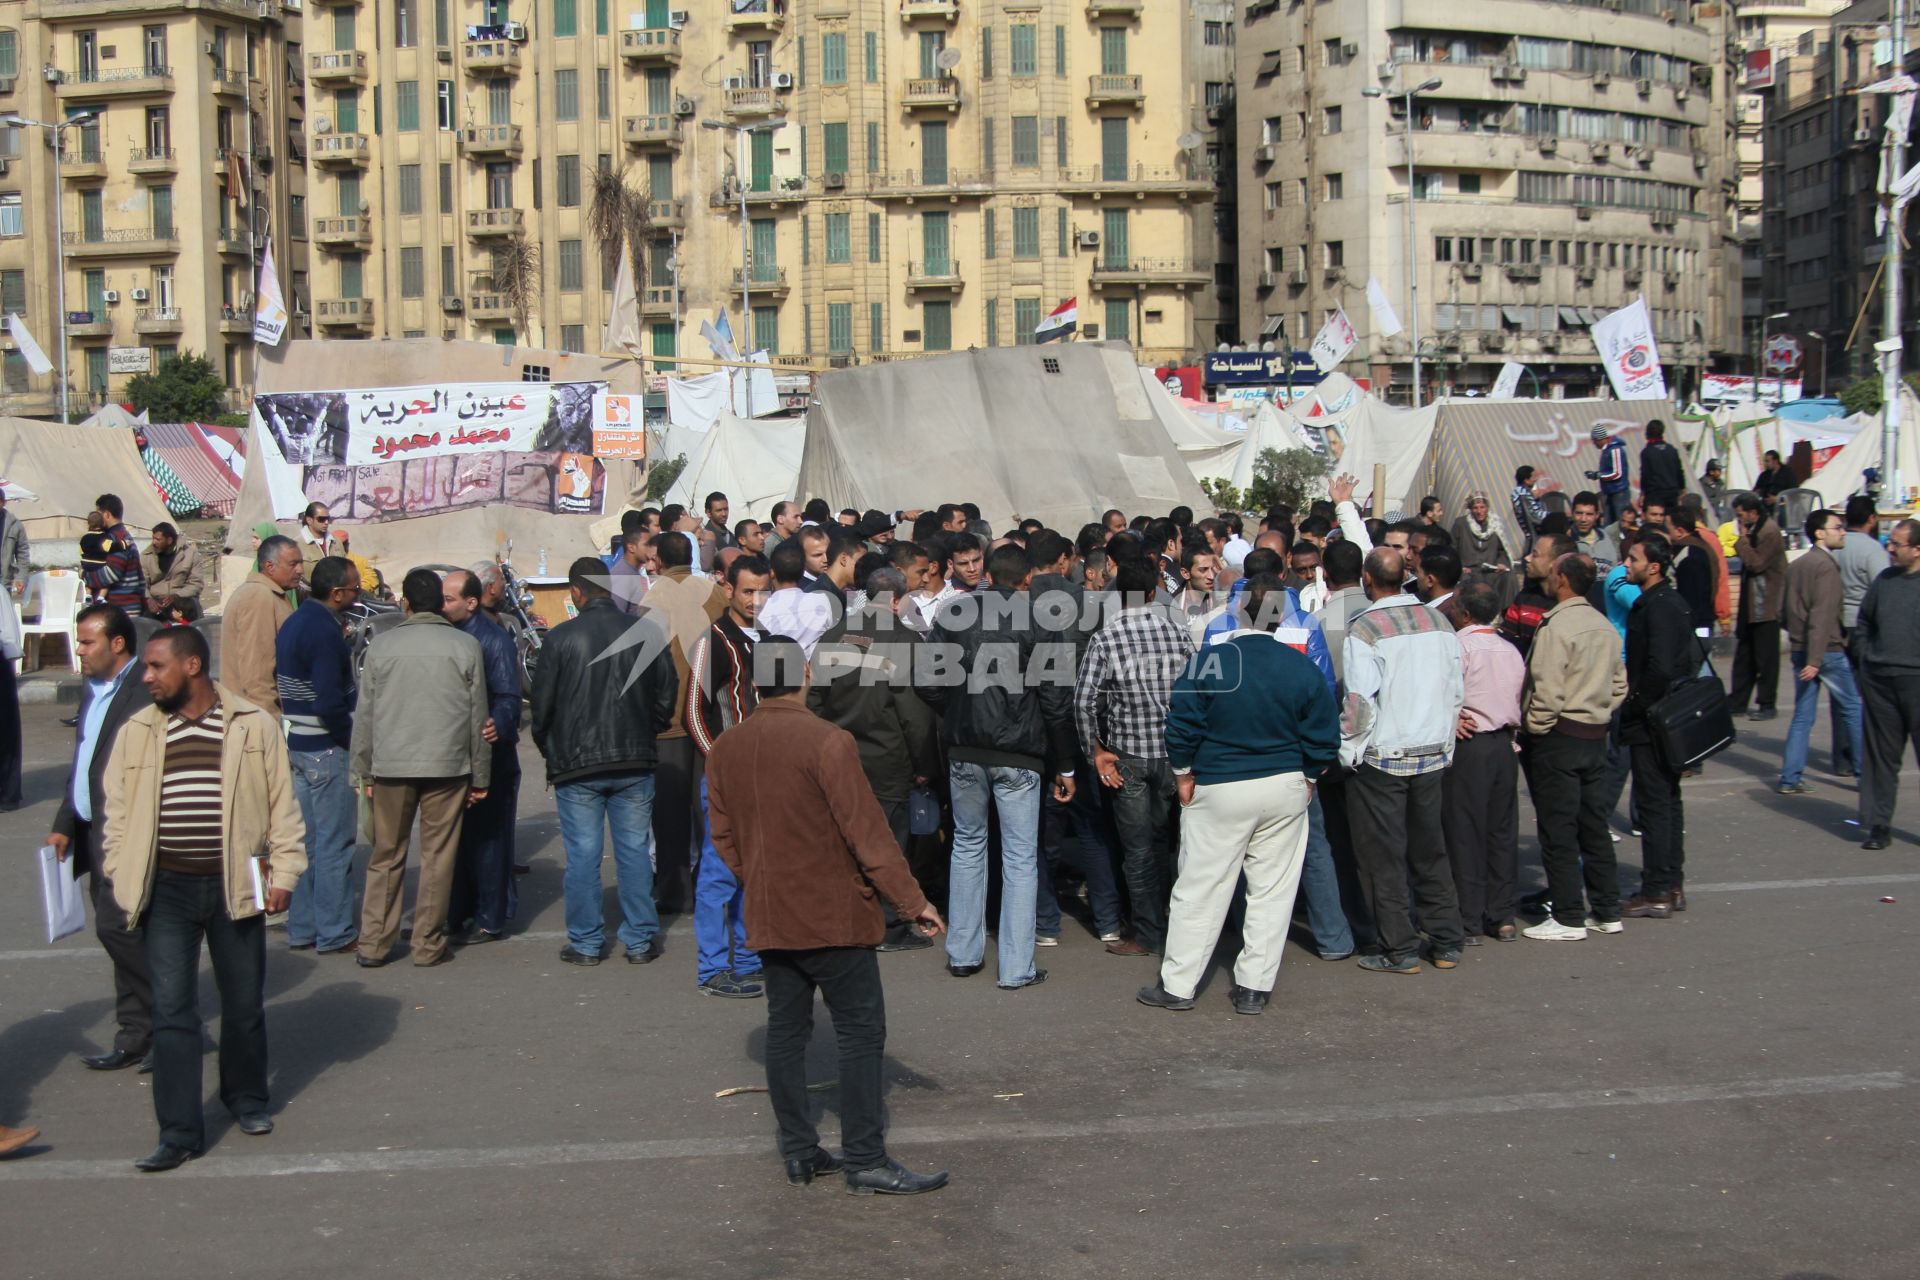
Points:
(66, 468)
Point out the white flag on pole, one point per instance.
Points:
(1507, 385)
(269, 304)
(1335, 339)
(719, 335)
(1385, 322)
(1627, 348)
(622, 336)
(36, 358)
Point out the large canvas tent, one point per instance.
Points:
(754, 461)
(66, 468)
(1059, 433)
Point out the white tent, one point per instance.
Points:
(66, 468)
(1373, 433)
(755, 462)
(1271, 429)
(1209, 451)
(1841, 477)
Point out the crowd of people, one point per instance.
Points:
(834, 736)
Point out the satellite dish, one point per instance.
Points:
(947, 59)
(1188, 141)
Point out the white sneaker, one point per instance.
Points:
(1551, 930)
(1045, 940)
(1605, 926)
(1111, 937)
(1613, 836)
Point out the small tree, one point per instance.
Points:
(1222, 494)
(1290, 476)
(516, 274)
(186, 388)
(1861, 396)
(662, 474)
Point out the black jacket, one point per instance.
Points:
(1661, 650)
(863, 682)
(1008, 700)
(132, 697)
(1661, 473)
(1693, 579)
(604, 690)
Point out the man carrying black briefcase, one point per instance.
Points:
(1662, 654)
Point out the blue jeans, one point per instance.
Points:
(719, 928)
(322, 912)
(1090, 851)
(1612, 504)
(623, 802)
(1016, 792)
(1320, 886)
(1837, 675)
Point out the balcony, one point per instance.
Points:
(924, 276)
(651, 44)
(667, 215)
(351, 233)
(161, 320)
(783, 191)
(487, 223)
(115, 82)
(1114, 91)
(489, 57)
(501, 140)
(939, 93)
(489, 304)
(340, 150)
(122, 242)
(343, 313)
(233, 240)
(1115, 8)
(152, 160)
(1134, 272)
(89, 324)
(947, 11)
(650, 133)
(768, 16)
(770, 281)
(236, 84)
(1138, 181)
(657, 301)
(347, 67)
(237, 320)
(754, 103)
(934, 184)
(83, 164)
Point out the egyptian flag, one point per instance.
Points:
(1060, 322)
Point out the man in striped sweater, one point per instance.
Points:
(119, 579)
(720, 694)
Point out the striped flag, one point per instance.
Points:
(1060, 322)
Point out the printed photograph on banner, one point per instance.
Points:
(1629, 353)
(558, 482)
(374, 426)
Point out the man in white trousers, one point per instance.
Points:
(1250, 728)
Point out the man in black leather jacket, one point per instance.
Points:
(1661, 651)
(604, 689)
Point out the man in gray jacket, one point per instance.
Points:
(15, 549)
(419, 742)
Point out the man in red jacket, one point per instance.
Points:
(792, 814)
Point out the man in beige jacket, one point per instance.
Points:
(202, 838)
(260, 606)
(174, 576)
(1575, 681)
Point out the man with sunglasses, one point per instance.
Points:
(316, 540)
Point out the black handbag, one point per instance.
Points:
(1691, 722)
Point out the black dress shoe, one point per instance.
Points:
(366, 961)
(255, 1124)
(1679, 898)
(801, 1172)
(477, 938)
(118, 1060)
(146, 1064)
(571, 955)
(1039, 976)
(963, 970)
(1877, 838)
(165, 1157)
(892, 1179)
(647, 954)
(910, 942)
(1247, 1000)
(1158, 997)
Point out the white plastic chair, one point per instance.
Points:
(58, 592)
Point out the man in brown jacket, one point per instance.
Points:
(252, 619)
(794, 817)
(1816, 637)
(1763, 580)
(174, 577)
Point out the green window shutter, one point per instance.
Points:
(839, 237)
(1113, 51)
(873, 237)
(766, 330)
(833, 58)
(987, 236)
(936, 326)
(565, 19)
(873, 57)
(834, 136)
(1026, 233)
(993, 322)
(1023, 49)
(1113, 238)
(933, 243)
(873, 146)
(1119, 318)
(839, 327)
(876, 327)
(1026, 318)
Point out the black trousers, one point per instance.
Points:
(1397, 841)
(126, 948)
(1569, 780)
(1480, 814)
(848, 978)
(1663, 850)
(10, 741)
(676, 823)
(1892, 722)
(186, 910)
(1756, 665)
(483, 864)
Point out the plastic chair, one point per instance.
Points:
(1795, 505)
(58, 592)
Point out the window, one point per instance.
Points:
(565, 18)
(873, 146)
(161, 199)
(159, 131)
(1060, 51)
(572, 276)
(1114, 249)
(1214, 34)
(1026, 233)
(566, 182)
(297, 216)
(95, 284)
(413, 272)
(936, 323)
(603, 93)
(1026, 142)
(409, 189)
(993, 322)
(155, 48)
(10, 219)
(659, 264)
(343, 35)
(989, 235)
(876, 327)
(1336, 186)
(663, 344)
(986, 53)
(873, 57)
(839, 327)
(660, 177)
(986, 142)
(1060, 229)
(1113, 148)
(839, 237)
(13, 292)
(1216, 93)
(873, 237)
(660, 92)
(499, 100)
(833, 58)
(500, 185)
(931, 45)
(933, 243)
(766, 259)
(1119, 319)
(834, 139)
(1443, 248)
(347, 187)
(766, 329)
(1331, 117)
(1060, 141)
(446, 188)
(346, 111)
(933, 153)
(9, 54)
(443, 103)
(566, 94)
(352, 278)
(406, 105)
(1469, 184)
(405, 34)
(1023, 40)
(806, 242)
(1336, 253)
(573, 337)
(1026, 318)
(449, 277)
(1113, 51)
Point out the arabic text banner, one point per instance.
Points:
(379, 425)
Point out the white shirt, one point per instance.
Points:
(799, 615)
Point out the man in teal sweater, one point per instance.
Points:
(1250, 728)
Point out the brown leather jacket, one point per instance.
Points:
(1763, 572)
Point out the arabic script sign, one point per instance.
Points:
(388, 424)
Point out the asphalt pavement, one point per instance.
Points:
(1730, 1093)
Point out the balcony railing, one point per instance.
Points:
(1115, 8)
(491, 140)
(1175, 271)
(102, 82)
(346, 64)
(121, 241)
(939, 91)
(761, 279)
(939, 274)
(495, 222)
(151, 160)
(653, 131)
(344, 312)
(489, 305)
(157, 320)
(657, 301)
(668, 215)
(1103, 89)
(944, 10)
(761, 101)
(763, 15)
(487, 56)
(351, 231)
(651, 44)
(340, 148)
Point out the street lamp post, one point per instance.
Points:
(1821, 338)
(1760, 374)
(1890, 334)
(56, 128)
(1413, 274)
(741, 133)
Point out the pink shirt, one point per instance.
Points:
(1494, 671)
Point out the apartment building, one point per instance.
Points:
(915, 175)
(183, 161)
(1572, 156)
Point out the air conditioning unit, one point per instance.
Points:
(1671, 279)
(1583, 275)
(1511, 72)
(1601, 79)
(111, 296)
(678, 18)
(140, 295)
(1269, 279)
(1297, 278)
(834, 181)
(1493, 342)
(1643, 156)
(1680, 93)
(1470, 271)
(1699, 163)
(1266, 153)
(1349, 50)
(54, 75)
(1602, 150)
(1524, 271)
(444, 55)
(453, 302)
(783, 80)
(685, 107)
(1584, 212)
(1643, 87)
(1549, 342)
(210, 49)
(517, 32)
(1549, 145)
(1088, 239)
(1863, 135)
(735, 82)
(1632, 277)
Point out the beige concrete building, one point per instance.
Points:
(923, 175)
(1574, 156)
(192, 158)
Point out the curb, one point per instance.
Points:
(41, 691)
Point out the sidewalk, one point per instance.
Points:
(50, 685)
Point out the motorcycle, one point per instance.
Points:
(529, 629)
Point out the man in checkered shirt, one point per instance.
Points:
(1120, 708)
